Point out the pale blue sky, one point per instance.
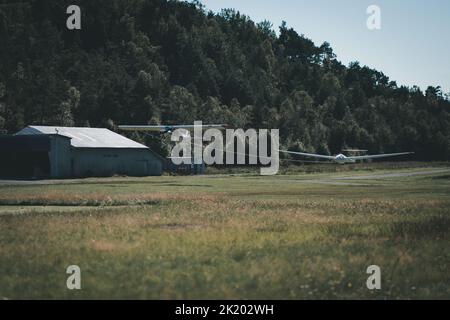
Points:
(412, 47)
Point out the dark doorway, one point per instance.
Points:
(24, 165)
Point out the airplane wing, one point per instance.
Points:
(354, 150)
(318, 156)
(168, 128)
(375, 156)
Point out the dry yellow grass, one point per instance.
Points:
(226, 237)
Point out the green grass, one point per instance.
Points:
(291, 236)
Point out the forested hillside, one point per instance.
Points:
(156, 61)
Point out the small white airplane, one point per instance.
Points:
(170, 128)
(342, 159)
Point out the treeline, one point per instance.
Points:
(157, 61)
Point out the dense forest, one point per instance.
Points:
(157, 61)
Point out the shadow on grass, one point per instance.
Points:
(74, 203)
(431, 227)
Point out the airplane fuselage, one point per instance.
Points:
(342, 159)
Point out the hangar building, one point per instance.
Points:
(60, 152)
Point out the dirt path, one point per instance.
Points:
(395, 174)
(331, 179)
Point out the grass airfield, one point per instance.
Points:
(304, 234)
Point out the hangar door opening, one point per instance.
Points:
(31, 164)
(25, 157)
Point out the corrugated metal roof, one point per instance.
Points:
(85, 137)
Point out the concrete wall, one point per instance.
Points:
(107, 162)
